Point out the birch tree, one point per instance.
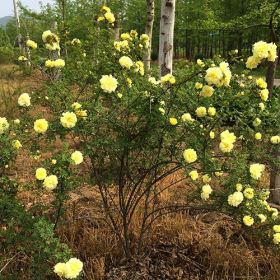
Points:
(19, 37)
(167, 20)
(149, 31)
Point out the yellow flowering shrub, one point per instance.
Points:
(132, 130)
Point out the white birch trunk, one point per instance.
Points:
(166, 36)
(149, 32)
(18, 26)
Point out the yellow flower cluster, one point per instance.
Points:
(31, 44)
(70, 269)
(107, 14)
(256, 170)
(206, 191)
(139, 67)
(168, 78)
(202, 111)
(227, 141)
(58, 63)
(24, 100)
(145, 40)
(49, 182)
(108, 83)
(200, 63)
(218, 76)
(22, 58)
(4, 125)
(235, 199)
(261, 50)
(122, 46)
(77, 107)
(51, 41)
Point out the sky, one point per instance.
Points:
(6, 6)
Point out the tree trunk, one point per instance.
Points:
(19, 37)
(167, 21)
(149, 32)
(117, 29)
(270, 75)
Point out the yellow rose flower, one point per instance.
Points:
(110, 17)
(108, 83)
(276, 238)
(235, 199)
(262, 217)
(16, 144)
(258, 136)
(206, 178)
(4, 125)
(212, 134)
(194, 175)
(49, 63)
(190, 155)
(187, 117)
(264, 94)
(24, 100)
(60, 269)
(206, 191)
(50, 182)
(201, 112)
(275, 139)
(257, 122)
(248, 220)
(73, 268)
(207, 91)
(276, 228)
(59, 63)
(198, 85)
(256, 170)
(77, 157)
(41, 173)
(226, 146)
(249, 193)
(261, 106)
(211, 111)
(46, 35)
(239, 187)
(261, 83)
(41, 126)
(31, 44)
(173, 121)
(76, 106)
(126, 62)
(68, 119)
